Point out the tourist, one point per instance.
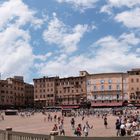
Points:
(122, 128)
(86, 129)
(78, 130)
(128, 127)
(61, 129)
(118, 124)
(72, 123)
(55, 128)
(105, 122)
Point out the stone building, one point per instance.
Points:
(107, 89)
(14, 92)
(55, 91)
(134, 86)
(45, 91)
(102, 89)
(70, 91)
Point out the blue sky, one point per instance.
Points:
(63, 37)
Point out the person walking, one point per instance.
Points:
(86, 129)
(61, 129)
(105, 122)
(72, 123)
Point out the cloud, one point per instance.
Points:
(106, 54)
(80, 5)
(43, 57)
(121, 3)
(17, 13)
(130, 19)
(15, 50)
(108, 8)
(65, 37)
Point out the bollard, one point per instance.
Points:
(7, 134)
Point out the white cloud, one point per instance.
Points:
(106, 9)
(65, 37)
(130, 19)
(43, 57)
(16, 12)
(129, 39)
(80, 5)
(106, 55)
(15, 50)
(118, 4)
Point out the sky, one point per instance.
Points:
(62, 37)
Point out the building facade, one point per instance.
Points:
(103, 89)
(55, 91)
(107, 89)
(134, 86)
(45, 91)
(70, 91)
(14, 92)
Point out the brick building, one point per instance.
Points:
(134, 86)
(45, 91)
(102, 89)
(50, 91)
(14, 92)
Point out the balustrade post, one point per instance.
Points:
(52, 137)
(7, 135)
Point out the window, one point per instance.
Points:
(95, 88)
(132, 80)
(102, 81)
(117, 96)
(118, 87)
(102, 87)
(137, 80)
(109, 81)
(88, 82)
(109, 87)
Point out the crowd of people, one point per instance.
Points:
(127, 121)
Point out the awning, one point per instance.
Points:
(70, 107)
(106, 104)
(137, 105)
